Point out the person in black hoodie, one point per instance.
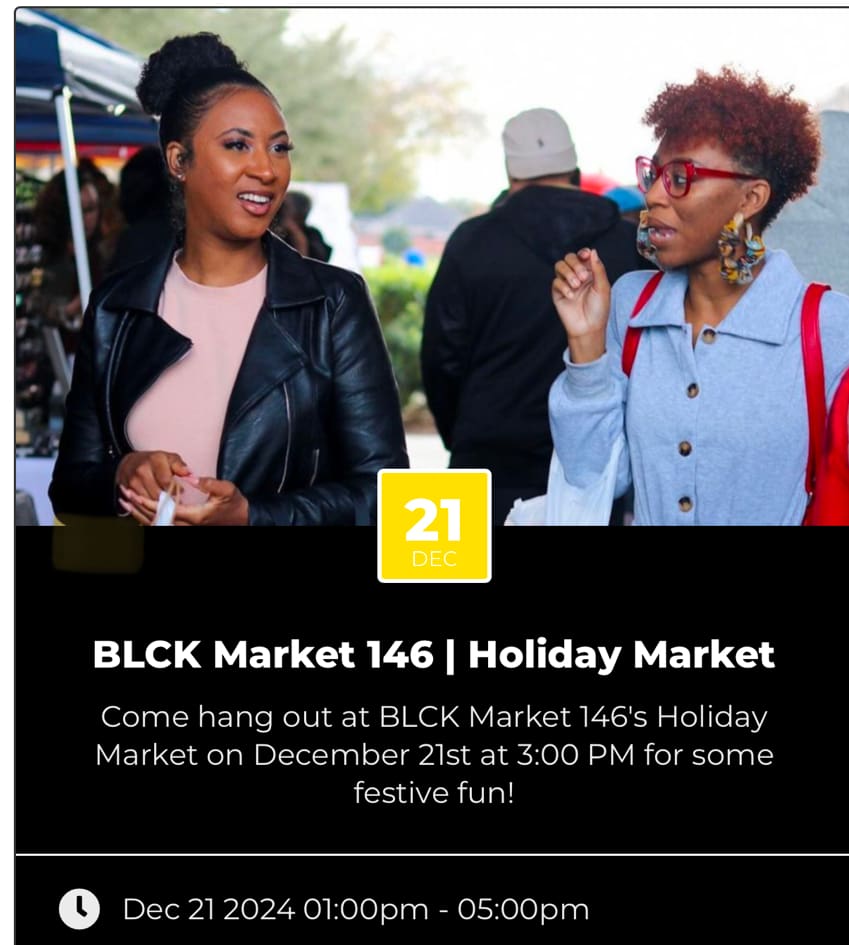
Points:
(492, 344)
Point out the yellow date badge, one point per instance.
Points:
(434, 525)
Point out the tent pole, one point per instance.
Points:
(61, 100)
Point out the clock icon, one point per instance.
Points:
(79, 908)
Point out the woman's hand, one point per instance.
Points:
(581, 295)
(149, 473)
(142, 476)
(225, 506)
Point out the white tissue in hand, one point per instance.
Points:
(165, 510)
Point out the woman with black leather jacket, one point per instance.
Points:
(278, 418)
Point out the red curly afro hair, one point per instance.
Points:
(766, 131)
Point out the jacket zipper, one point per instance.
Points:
(316, 453)
(288, 437)
(114, 450)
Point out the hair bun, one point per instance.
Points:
(176, 62)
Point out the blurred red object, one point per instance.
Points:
(597, 183)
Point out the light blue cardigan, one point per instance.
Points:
(716, 434)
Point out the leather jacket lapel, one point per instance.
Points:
(272, 353)
(143, 348)
(290, 282)
(141, 286)
(144, 345)
(270, 357)
(277, 349)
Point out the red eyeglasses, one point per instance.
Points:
(677, 175)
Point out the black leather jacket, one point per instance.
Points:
(314, 411)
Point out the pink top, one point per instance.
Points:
(184, 410)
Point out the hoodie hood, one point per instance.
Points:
(552, 221)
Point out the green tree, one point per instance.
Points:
(348, 123)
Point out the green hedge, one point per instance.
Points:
(399, 292)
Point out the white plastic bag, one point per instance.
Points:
(565, 504)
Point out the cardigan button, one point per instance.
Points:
(693, 391)
(685, 448)
(685, 503)
(708, 336)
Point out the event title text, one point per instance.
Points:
(447, 655)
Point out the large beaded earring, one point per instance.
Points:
(644, 245)
(739, 254)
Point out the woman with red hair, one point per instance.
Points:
(710, 395)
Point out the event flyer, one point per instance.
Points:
(254, 737)
(431, 725)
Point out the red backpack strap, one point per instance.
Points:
(632, 335)
(814, 377)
